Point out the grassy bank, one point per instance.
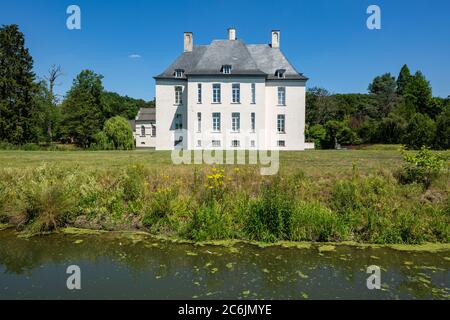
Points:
(325, 196)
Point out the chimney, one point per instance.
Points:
(231, 34)
(275, 38)
(188, 41)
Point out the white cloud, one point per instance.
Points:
(134, 56)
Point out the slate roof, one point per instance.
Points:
(250, 60)
(146, 114)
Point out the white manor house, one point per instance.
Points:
(230, 95)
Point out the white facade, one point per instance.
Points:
(254, 121)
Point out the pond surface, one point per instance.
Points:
(137, 267)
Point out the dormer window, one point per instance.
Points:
(226, 69)
(280, 73)
(179, 73)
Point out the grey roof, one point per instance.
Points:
(146, 114)
(255, 60)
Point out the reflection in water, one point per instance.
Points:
(136, 267)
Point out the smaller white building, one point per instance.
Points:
(144, 128)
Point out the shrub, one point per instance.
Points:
(116, 135)
(314, 222)
(210, 222)
(270, 214)
(133, 183)
(419, 132)
(421, 167)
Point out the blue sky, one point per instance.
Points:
(325, 39)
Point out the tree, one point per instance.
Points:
(17, 88)
(403, 79)
(419, 132)
(391, 129)
(124, 106)
(116, 135)
(84, 111)
(418, 93)
(384, 88)
(316, 133)
(442, 140)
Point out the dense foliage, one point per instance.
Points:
(31, 113)
(395, 111)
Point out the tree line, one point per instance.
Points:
(31, 112)
(396, 110)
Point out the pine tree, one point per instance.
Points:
(403, 79)
(17, 88)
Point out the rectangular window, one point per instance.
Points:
(235, 121)
(252, 143)
(216, 93)
(153, 130)
(199, 122)
(281, 143)
(281, 123)
(226, 69)
(253, 121)
(178, 122)
(281, 96)
(236, 92)
(216, 143)
(199, 143)
(235, 143)
(216, 121)
(178, 95)
(199, 93)
(253, 93)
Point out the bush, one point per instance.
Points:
(421, 167)
(210, 222)
(314, 222)
(116, 135)
(421, 131)
(270, 214)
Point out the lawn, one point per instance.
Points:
(314, 163)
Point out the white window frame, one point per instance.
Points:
(226, 69)
(235, 122)
(253, 121)
(281, 96)
(216, 143)
(253, 93)
(236, 93)
(199, 93)
(143, 133)
(281, 143)
(216, 122)
(153, 130)
(179, 73)
(199, 122)
(252, 144)
(235, 143)
(217, 93)
(281, 124)
(178, 95)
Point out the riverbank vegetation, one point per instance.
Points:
(308, 200)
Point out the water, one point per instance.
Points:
(132, 267)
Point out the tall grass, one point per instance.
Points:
(211, 203)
